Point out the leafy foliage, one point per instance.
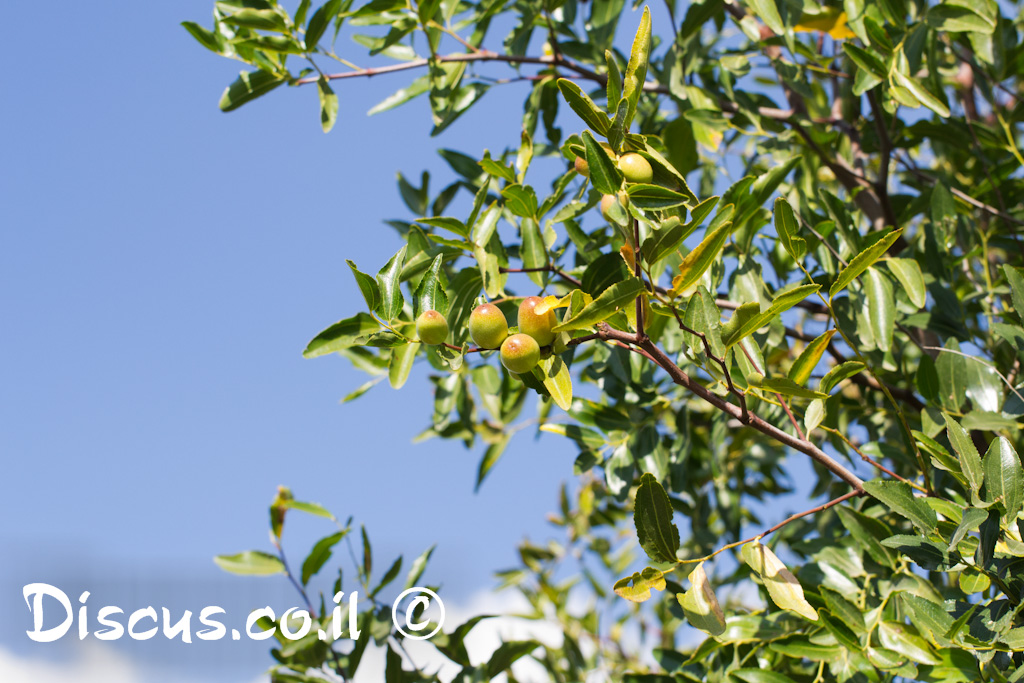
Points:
(854, 297)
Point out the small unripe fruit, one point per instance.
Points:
(607, 202)
(487, 326)
(432, 328)
(635, 168)
(825, 174)
(520, 353)
(582, 167)
(537, 325)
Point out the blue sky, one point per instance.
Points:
(163, 265)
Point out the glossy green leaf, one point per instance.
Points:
(319, 555)
(869, 533)
(328, 105)
(970, 459)
(400, 365)
(881, 305)
(262, 19)
(367, 285)
(788, 230)
(899, 497)
(768, 12)
(908, 273)
(787, 387)
(866, 60)
(654, 197)
(1004, 477)
(636, 70)
(533, 252)
(837, 374)
(922, 94)
(248, 86)
(783, 587)
(604, 174)
(696, 263)
(809, 358)
(557, 380)
(780, 304)
(391, 299)
(342, 335)
(652, 516)
(250, 563)
(902, 639)
(604, 306)
(862, 262)
(700, 606)
(759, 676)
(584, 107)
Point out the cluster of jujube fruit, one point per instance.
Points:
(488, 328)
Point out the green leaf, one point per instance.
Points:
(614, 87)
(367, 285)
(788, 230)
(390, 575)
(655, 197)
(490, 459)
(248, 86)
(804, 365)
(881, 308)
(400, 364)
(533, 251)
(636, 70)
(637, 588)
(319, 21)
(696, 263)
(843, 371)
(782, 302)
(652, 516)
(262, 19)
(971, 520)
(319, 555)
(206, 37)
(866, 60)
(314, 509)
(250, 563)
(862, 262)
(899, 497)
(391, 299)
(507, 653)
(787, 387)
(1015, 277)
(604, 174)
(328, 104)
(557, 380)
(418, 566)
(603, 307)
(768, 12)
(902, 639)
(759, 676)
(869, 533)
(783, 587)
(922, 94)
(521, 201)
(430, 294)
(927, 554)
(700, 606)
(846, 612)
(342, 335)
(958, 18)
(908, 273)
(584, 107)
(970, 459)
(1004, 478)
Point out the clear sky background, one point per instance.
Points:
(162, 266)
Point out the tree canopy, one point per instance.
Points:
(784, 232)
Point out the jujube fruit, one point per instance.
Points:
(582, 167)
(537, 325)
(432, 328)
(520, 353)
(487, 326)
(635, 168)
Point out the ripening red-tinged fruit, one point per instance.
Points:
(520, 353)
(607, 202)
(635, 169)
(432, 328)
(537, 325)
(487, 326)
(582, 167)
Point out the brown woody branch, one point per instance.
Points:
(747, 418)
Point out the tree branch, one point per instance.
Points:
(748, 418)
